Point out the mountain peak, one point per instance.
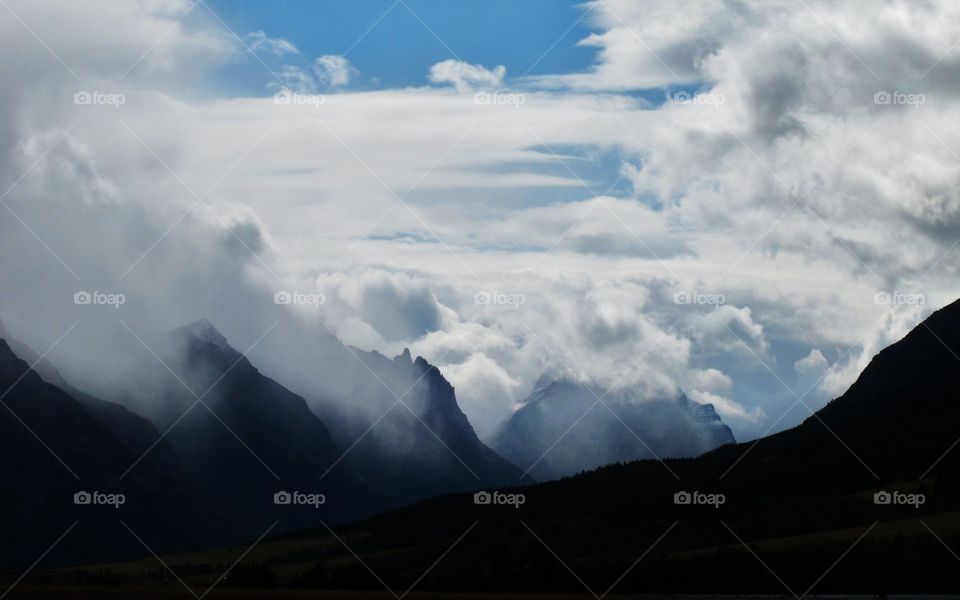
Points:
(404, 357)
(204, 330)
(557, 432)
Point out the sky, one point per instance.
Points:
(390, 43)
(743, 201)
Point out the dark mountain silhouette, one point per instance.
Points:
(135, 432)
(232, 439)
(406, 432)
(240, 436)
(56, 446)
(565, 428)
(799, 513)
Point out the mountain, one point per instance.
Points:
(812, 509)
(136, 433)
(240, 436)
(564, 428)
(405, 430)
(232, 439)
(56, 446)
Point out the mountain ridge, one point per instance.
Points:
(410, 431)
(797, 500)
(54, 448)
(566, 427)
(241, 435)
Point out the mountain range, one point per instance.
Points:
(565, 428)
(231, 439)
(57, 445)
(192, 429)
(799, 510)
(862, 497)
(406, 432)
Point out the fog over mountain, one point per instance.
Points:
(808, 508)
(296, 293)
(208, 443)
(564, 428)
(507, 257)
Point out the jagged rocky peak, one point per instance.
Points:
(204, 331)
(420, 365)
(404, 358)
(565, 427)
(704, 413)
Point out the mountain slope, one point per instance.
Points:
(565, 428)
(802, 499)
(55, 447)
(406, 431)
(240, 435)
(135, 432)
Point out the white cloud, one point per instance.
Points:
(396, 305)
(812, 364)
(258, 40)
(292, 79)
(891, 327)
(658, 43)
(729, 409)
(491, 204)
(484, 390)
(334, 71)
(710, 380)
(465, 77)
(730, 328)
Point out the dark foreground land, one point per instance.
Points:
(96, 593)
(155, 594)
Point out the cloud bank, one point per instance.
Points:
(773, 226)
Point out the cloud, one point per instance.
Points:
(484, 389)
(796, 197)
(711, 380)
(654, 44)
(396, 305)
(334, 71)
(465, 77)
(729, 328)
(258, 40)
(293, 78)
(891, 327)
(728, 409)
(812, 364)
